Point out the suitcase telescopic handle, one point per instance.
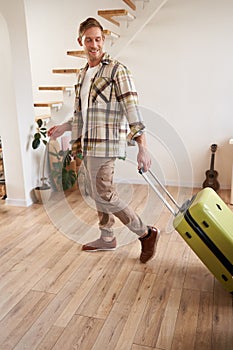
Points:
(159, 193)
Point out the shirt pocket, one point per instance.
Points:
(101, 90)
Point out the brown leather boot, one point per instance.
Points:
(149, 244)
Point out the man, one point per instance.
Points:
(105, 107)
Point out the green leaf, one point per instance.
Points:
(68, 178)
(39, 123)
(37, 135)
(35, 143)
(80, 156)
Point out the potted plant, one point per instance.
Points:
(42, 192)
(61, 175)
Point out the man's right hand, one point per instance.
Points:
(58, 130)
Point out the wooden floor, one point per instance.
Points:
(53, 296)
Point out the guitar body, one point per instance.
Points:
(211, 180)
(211, 175)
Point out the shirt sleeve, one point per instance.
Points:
(128, 98)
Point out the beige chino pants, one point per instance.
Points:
(99, 174)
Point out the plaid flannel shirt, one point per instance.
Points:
(112, 111)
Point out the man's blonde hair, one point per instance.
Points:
(88, 23)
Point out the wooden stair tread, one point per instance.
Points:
(56, 88)
(66, 70)
(131, 4)
(48, 104)
(109, 14)
(77, 53)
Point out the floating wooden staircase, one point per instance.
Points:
(138, 17)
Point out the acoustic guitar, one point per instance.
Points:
(211, 175)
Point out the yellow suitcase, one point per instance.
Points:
(206, 223)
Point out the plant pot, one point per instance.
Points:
(42, 194)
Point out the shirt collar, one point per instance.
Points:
(106, 59)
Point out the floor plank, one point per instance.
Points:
(222, 333)
(186, 323)
(80, 333)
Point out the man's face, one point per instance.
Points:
(92, 42)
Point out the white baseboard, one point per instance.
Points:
(138, 181)
(18, 202)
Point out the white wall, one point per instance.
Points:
(182, 64)
(16, 109)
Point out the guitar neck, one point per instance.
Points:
(212, 162)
